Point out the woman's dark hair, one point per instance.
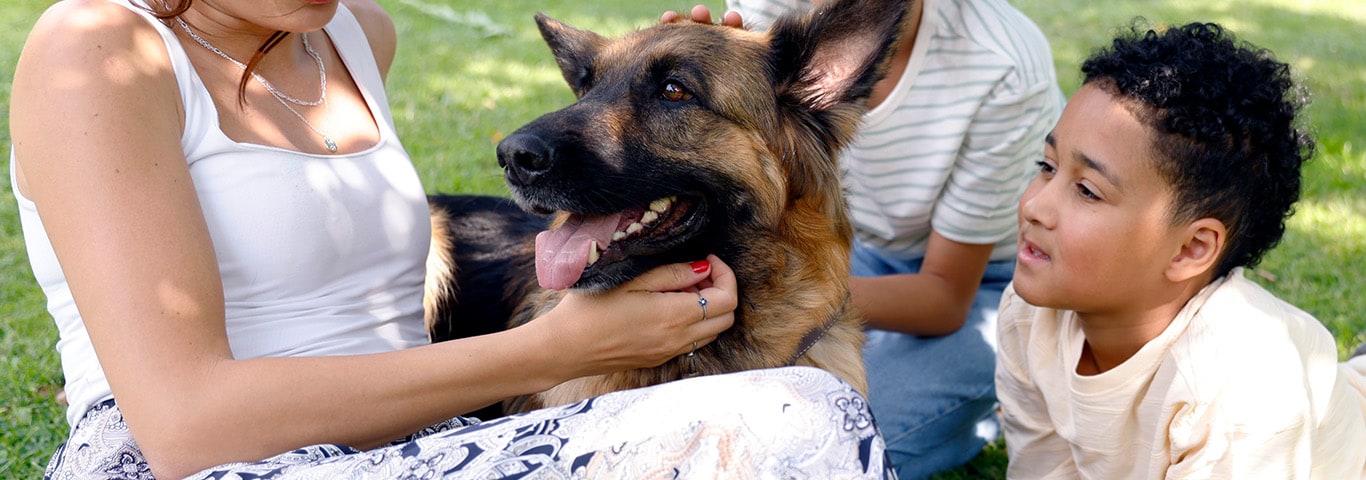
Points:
(1223, 113)
(176, 8)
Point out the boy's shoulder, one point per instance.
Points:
(1243, 337)
(1014, 313)
(1251, 362)
(1235, 303)
(1020, 325)
(1232, 327)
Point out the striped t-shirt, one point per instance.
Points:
(953, 145)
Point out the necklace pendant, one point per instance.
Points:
(331, 145)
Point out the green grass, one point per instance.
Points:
(31, 422)
(470, 72)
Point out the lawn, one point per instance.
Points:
(470, 72)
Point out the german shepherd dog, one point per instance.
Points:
(686, 139)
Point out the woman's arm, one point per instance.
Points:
(935, 301)
(96, 122)
(99, 154)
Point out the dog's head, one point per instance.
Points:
(688, 139)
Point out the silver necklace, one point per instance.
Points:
(281, 97)
(322, 69)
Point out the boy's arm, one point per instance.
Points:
(1034, 447)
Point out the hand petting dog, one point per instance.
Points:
(596, 321)
(702, 14)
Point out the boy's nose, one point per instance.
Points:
(1036, 204)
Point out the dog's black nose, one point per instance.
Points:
(524, 157)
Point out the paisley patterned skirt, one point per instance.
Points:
(794, 422)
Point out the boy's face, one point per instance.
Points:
(1094, 231)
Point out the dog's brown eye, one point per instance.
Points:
(674, 92)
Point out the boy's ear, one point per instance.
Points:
(1202, 245)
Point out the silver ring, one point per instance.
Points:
(703, 302)
(693, 351)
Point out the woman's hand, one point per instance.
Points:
(647, 321)
(702, 14)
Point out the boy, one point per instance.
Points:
(1131, 345)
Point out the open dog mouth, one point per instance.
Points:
(584, 244)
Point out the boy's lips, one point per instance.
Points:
(1031, 253)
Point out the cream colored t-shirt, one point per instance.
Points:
(1240, 385)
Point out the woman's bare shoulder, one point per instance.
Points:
(101, 37)
(379, 30)
(92, 66)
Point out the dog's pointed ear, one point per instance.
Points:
(574, 51)
(835, 53)
(825, 63)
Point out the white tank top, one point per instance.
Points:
(319, 254)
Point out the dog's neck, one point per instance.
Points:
(812, 336)
(815, 334)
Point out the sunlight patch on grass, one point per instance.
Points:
(606, 26)
(1347, 9)
(1340, 167)
(1339, 218)
(486, 79)
(526, 76)
(475, 19)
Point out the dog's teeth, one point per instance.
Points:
(661, 205)
(593, 253)
(634, 227)
(650, 216)
(618, 236)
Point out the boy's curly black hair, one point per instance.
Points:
(1223, 114)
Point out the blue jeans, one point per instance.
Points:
(934, 397)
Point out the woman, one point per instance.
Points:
(232, 244)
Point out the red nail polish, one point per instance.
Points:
(700, 266)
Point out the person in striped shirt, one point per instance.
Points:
(934, 178)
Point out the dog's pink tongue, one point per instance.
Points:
(562, 253)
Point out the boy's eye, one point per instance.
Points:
(1044, 167)
(1086, 192)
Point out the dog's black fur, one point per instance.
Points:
(490, 236)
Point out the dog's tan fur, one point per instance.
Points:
(763, 148)
(440, 270)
